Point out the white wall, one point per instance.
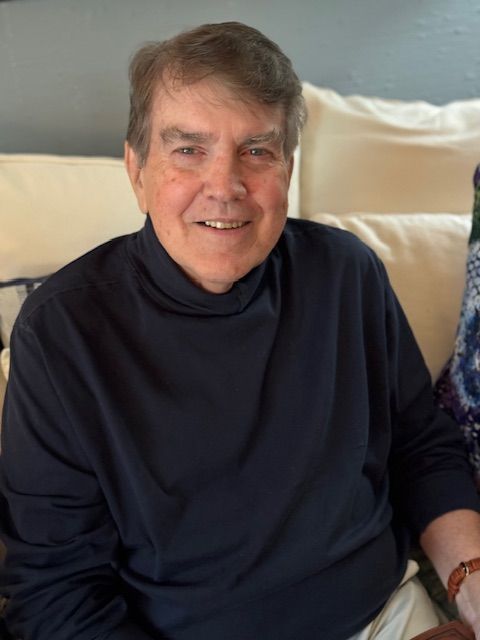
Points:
(63, 81)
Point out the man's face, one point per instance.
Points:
(215, 181)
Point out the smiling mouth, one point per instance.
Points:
(217, 224)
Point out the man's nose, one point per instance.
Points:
(224, 180)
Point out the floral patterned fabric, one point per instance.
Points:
(458, 388)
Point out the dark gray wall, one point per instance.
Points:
(63, 63)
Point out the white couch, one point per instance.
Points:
(398, 174)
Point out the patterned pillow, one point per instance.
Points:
(12, 295)
(458, 388)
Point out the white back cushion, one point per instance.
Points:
(55, 208)
(370, 154)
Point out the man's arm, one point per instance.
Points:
(448, 540)
(432, 482)
(62, 542)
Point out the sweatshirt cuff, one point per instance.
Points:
(436, 496)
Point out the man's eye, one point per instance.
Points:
(186, 151)
(256, 151)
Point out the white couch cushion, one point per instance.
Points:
(55, 208)
(294, 190)
(370, 154)
(5, 362)
(425, 256)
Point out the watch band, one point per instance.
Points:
(459, 574)
(449, 631)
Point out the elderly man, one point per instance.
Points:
(221, 427)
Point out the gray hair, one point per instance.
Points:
(245, 60)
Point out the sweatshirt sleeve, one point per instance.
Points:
(62, 543)
(429, 469)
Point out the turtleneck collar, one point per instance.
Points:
(165, 281)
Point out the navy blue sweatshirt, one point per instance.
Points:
(189, 466)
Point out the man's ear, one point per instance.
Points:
(135, 173)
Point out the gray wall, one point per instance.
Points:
(63, 63)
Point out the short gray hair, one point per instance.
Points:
(245, 60)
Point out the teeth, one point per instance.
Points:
(224, 225)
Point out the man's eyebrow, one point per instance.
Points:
(174, 134)
(275, 136)
(171, 135)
